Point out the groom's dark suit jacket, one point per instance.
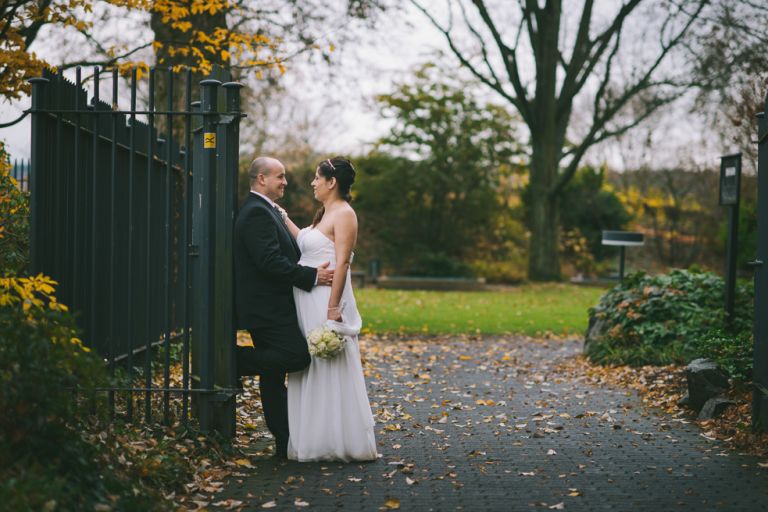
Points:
(266, 267)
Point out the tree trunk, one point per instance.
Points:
(544, 214)
(547, 137)
(170, 38)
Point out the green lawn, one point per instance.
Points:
(528, 309)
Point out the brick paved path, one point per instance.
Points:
(494, 425)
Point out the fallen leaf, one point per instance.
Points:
(269, 504)
(228, 503)
(392, 504)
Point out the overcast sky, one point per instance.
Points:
(375, 59)
(365, 66)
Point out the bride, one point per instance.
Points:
(329, 415)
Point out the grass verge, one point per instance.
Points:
(531, 309)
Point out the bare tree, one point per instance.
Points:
(732, 66)
(566, 66)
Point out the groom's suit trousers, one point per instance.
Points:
(281, 349)
(277, 351)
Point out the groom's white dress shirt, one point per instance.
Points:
(271, 202)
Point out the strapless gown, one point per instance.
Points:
(329, 414)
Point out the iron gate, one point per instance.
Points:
(132, 213)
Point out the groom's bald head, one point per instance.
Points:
(265, 165)
(267, 177)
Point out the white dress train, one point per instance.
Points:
(329, 415)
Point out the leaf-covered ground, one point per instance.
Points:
(661, 387)
(498, 423)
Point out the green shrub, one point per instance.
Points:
(671, 319)
(438, 264)
(46, 462)
(733, 352)
(588, 205)
(506, 272)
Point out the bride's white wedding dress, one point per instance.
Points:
(329, 415)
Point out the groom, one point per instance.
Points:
(266, 270)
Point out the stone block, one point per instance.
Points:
(714, 407)
(705, 380)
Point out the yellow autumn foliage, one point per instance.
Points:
(200, 49)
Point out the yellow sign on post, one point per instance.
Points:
(209, 140)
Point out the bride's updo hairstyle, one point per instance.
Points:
(340, 168)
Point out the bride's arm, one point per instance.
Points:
(293, 228)
(344, 236)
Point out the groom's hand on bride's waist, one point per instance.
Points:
(324, 275)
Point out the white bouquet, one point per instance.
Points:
(325, 343)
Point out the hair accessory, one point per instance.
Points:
(331, 164)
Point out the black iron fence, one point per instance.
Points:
(20, 173)
(124, 210)
(760, 328)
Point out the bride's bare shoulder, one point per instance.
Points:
(345, 218)
(348, 210)
(344, 213)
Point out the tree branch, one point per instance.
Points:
(604, 40)
(8, 17)
(594, 138)
(600, 94)
(30, 32)
(104, 63)
(530, 13)
(601, 118)
(510, 61)
(465, 62)
(579, 55)
(482, 44)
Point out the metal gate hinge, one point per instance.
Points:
(194, 250)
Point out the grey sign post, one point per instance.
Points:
(730, 193)
(622, 239)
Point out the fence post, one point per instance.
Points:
(760, 321)
(195, 268)
(37, 145)
(204, 227)
(227, 161)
